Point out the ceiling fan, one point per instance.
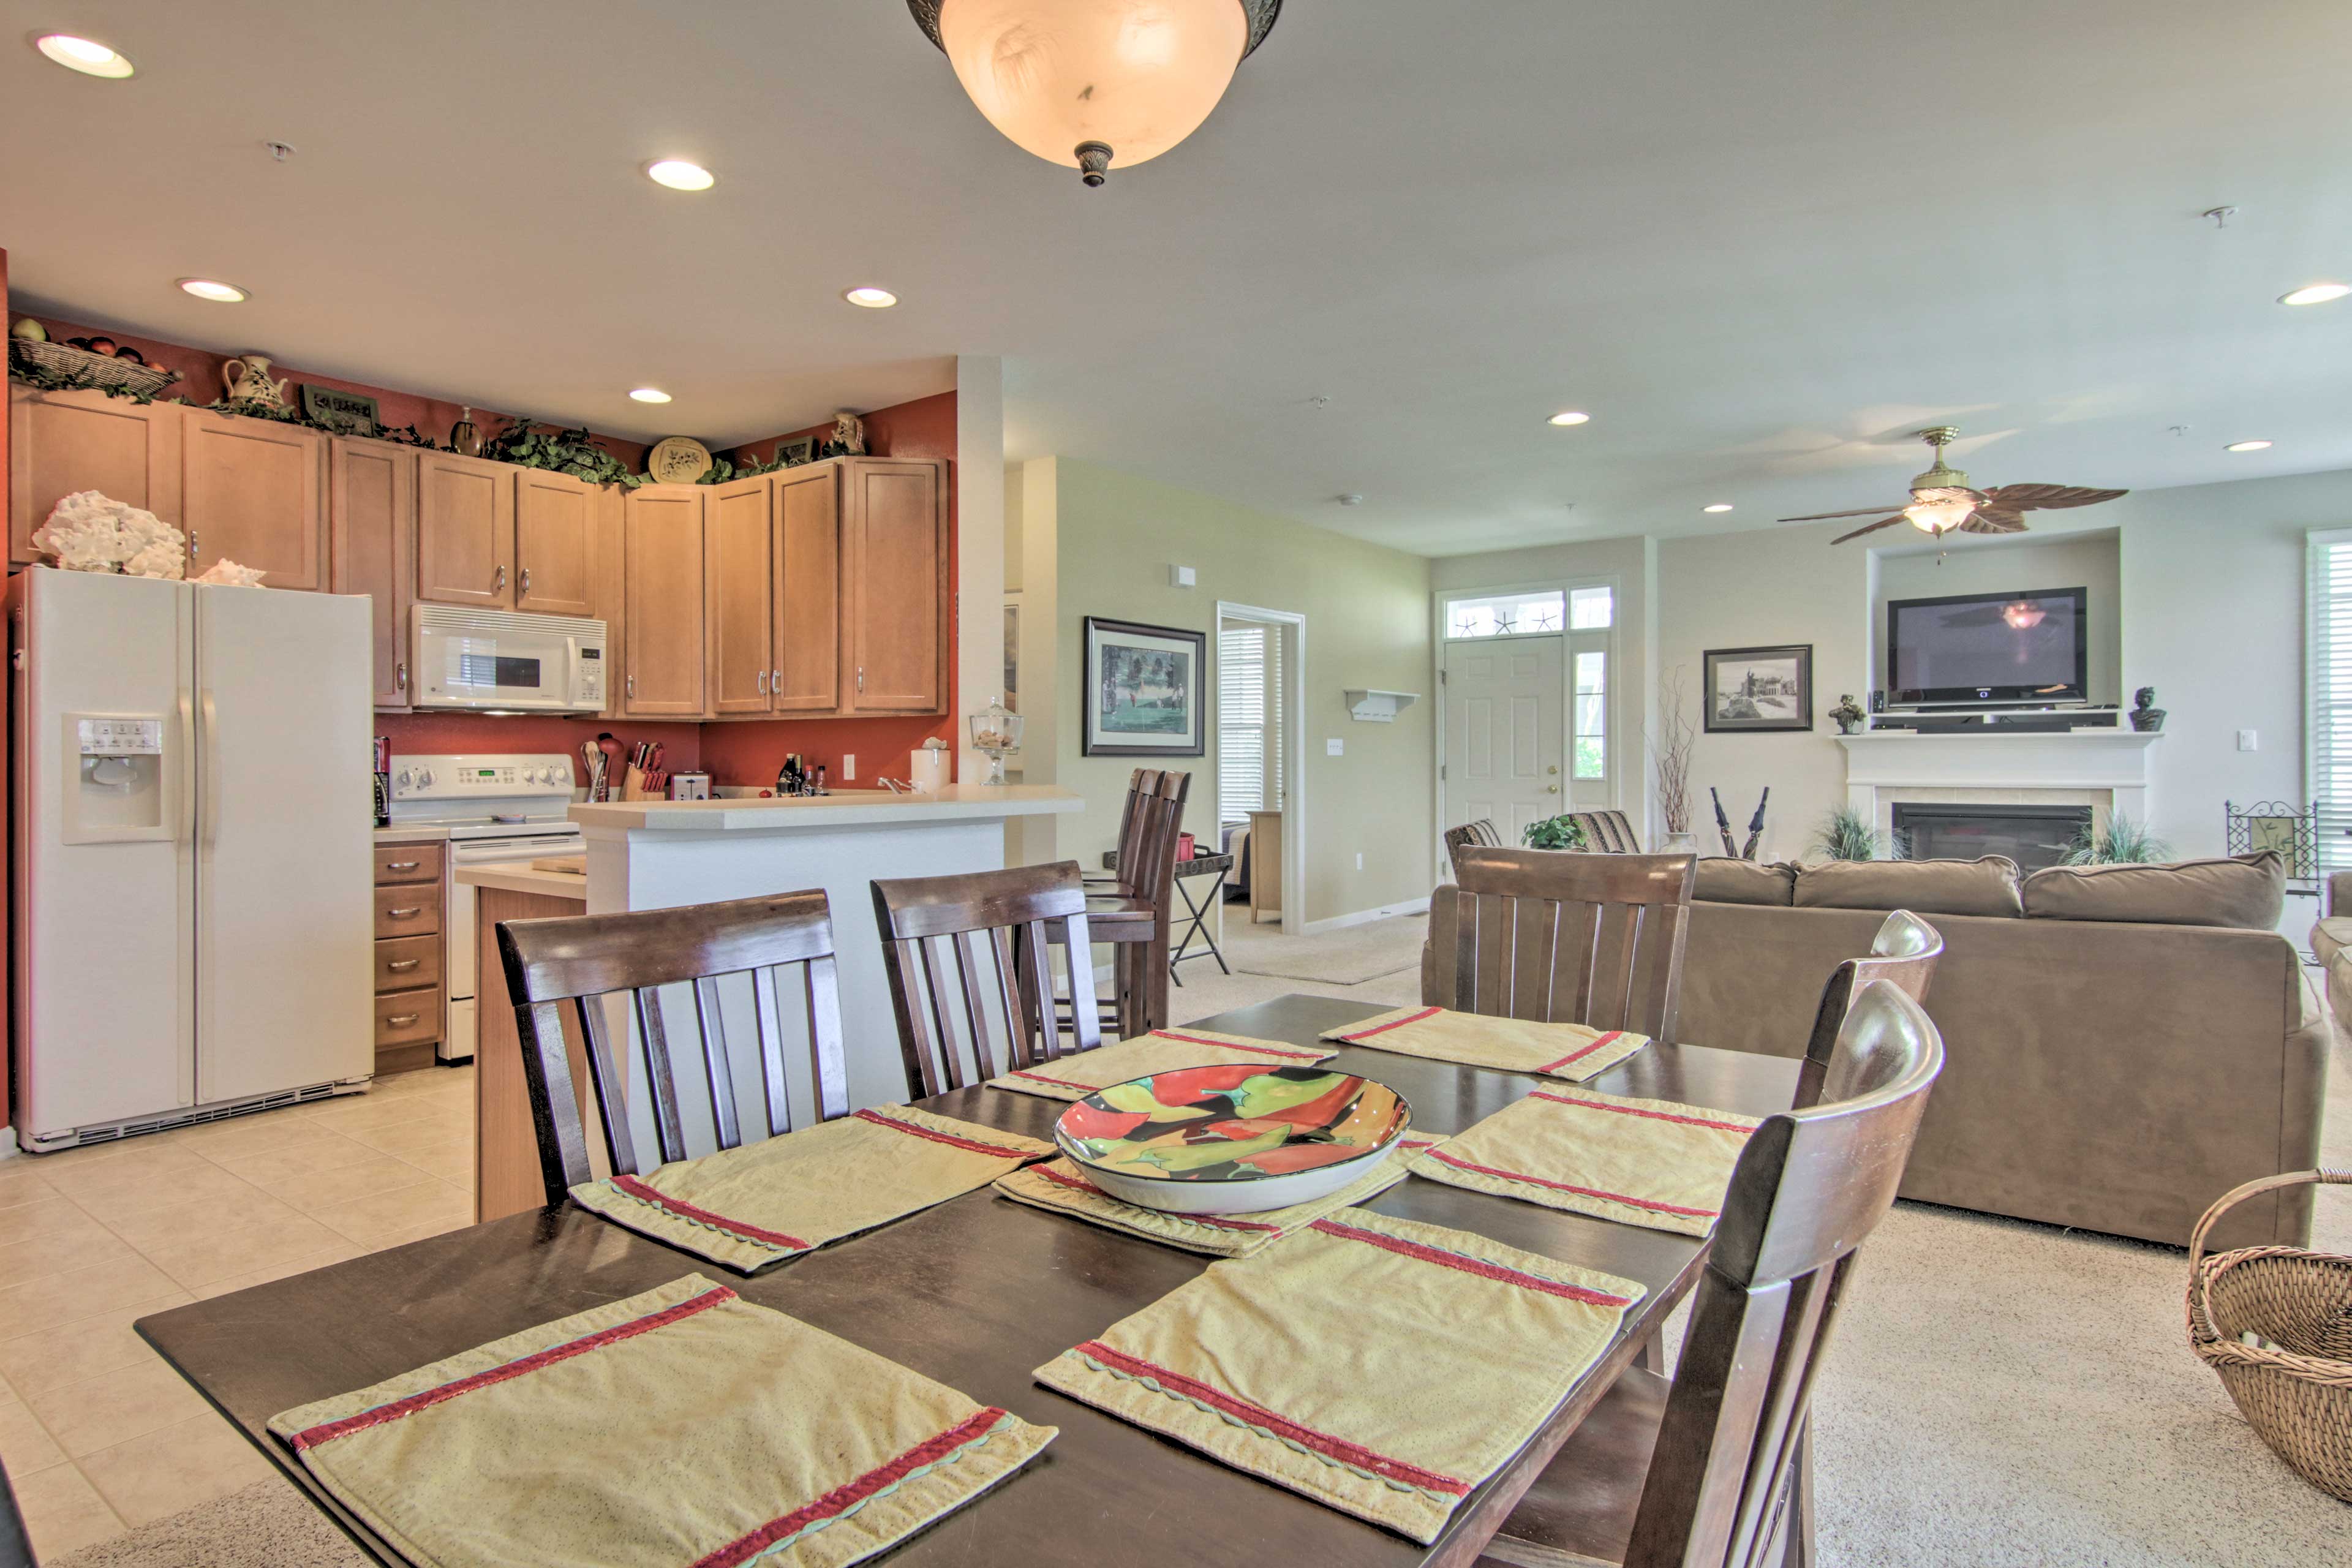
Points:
(1942, 500)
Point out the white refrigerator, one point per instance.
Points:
(194, 920)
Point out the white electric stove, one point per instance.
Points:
(492, 809)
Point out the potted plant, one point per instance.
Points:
(1847, 833)
(2124, 842)
(1562, 832)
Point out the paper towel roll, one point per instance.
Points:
(927, 770)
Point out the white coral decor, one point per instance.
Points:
(229, 575)
(88, 531)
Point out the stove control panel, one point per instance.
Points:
(474, 775)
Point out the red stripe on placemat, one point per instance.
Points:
(1080, 1184)
(684, 1210)
(1056, 1082)
(1574, 1057)
(1235, 1045)
(1477, 1265)
(1564, 1187)
(1393, 1024)
(949, 1138)
(311, 1437)
(744, 1548)
(1257, 1414)
(1637, 1111)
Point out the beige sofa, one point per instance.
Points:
(2125, 1043)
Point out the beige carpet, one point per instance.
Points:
(2001, 1395)
(1349, 956)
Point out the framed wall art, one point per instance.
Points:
(1759, 689)
(1142, 690)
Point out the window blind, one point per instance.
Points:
(1249, 722)
(2327, 688)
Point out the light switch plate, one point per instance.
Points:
(1335, 748)
(848, 766)
(2246, 741)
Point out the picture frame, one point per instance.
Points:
(792, 454)
(1144, 693)
(1759, 691)
(343, 413)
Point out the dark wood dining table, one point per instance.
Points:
(977, 1292)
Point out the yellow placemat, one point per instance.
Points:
(1062, 1187)
(1162, 1050)
(763, 1202)
(1380, 1365)
(1507, 1045)
(1649, 1163)
(684, 1426)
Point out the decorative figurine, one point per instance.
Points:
(2145, 716)
(465, 440)
(995, 730)
(246, 380)
(1847, 713)
(848, 437)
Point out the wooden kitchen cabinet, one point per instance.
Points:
(60, 442)
(893, 634)
(662, 577)
(806, 676)
(554, 543)
(253, 491)
(371, 548)
(465, 530)
(738, 596)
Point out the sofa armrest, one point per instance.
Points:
(2339, 892)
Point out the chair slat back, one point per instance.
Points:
(1809, 1187)
(1903, 953)
(1562, 938)
(971, 972)
(586, 959)
(1480, 832)
(1148, 825)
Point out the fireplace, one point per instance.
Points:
(2033, 836)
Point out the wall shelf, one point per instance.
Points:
(1367, 706)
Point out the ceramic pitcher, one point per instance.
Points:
(246, 379)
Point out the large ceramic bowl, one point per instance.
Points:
(1233, 1138)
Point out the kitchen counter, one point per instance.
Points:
(842, 808)
(516, 876)
(411, 835)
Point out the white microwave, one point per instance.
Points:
(498, 661)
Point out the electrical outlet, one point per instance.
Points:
(848, 767)
(1335, 748)
(2246, 741)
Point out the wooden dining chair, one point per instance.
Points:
(583, 958)
(1714, 1470)
(970, 965)
(1565, 939)
(1132, 910)
(15, 1550)
(1904, 954)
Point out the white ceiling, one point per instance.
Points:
(1760, 244)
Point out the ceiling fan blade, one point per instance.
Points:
(1980, 522)
(1825, 516)
(2045, 497)
(2000, 517)
(1869, 528)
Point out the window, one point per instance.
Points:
(1249, 721)
(1508, 614)
(1591, 728)
(2328, 678)
(1591, 609)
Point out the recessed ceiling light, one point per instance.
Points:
(2316, 294)
(649, 394)
(83, 55)
(1571, 417)
(214, 289)
(680, 176)
(873, 299)
(1719, 506)
(2247, 447)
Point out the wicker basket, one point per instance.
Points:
(2295, 1390)
(98, 371)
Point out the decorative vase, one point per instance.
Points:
(246, 379)
(463, 439)
(1680, 843)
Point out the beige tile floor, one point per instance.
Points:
(97, 1432)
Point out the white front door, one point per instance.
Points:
(1504, 752)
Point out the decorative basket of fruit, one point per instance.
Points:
(95, 362)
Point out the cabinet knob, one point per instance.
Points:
(764, 682)
(192, 545)
(861, 677)
(776, 685)
(402, 864)
(400, 674)
(526, 579)
(500, 584)
(632, 685)
(400, 1020)
(407, 914)
(401, 965)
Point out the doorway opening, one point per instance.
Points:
(1261, 777)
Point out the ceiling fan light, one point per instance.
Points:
(1088, 83)
(1938, 514)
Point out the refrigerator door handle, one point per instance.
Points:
(209, 745)
(186, 805)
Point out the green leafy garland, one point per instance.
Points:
(574, 451)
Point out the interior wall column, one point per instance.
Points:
(979, 549)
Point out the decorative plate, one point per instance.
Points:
(678, 460)
(1233, 1139)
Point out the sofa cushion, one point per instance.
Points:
(2330, 938)
(1982, 887)
(1723, 880)
(2246, 892)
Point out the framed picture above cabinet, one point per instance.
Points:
(1142, 689)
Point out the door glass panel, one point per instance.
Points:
(1506, 614)
(1591, 609)
(1591, 746)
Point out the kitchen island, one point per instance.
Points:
(506, 1149)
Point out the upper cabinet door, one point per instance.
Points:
(60, 442)
(807, 674)
(372, 532)
(739, 578)
(894, 519)
(253, 492)
(556, 543)
(465, 530)
(662, 571)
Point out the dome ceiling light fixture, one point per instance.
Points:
(1083, 83)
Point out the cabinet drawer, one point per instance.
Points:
(412, 910)
(407, 863)
(404, 963)
(408, 1017)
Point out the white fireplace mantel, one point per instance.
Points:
(1884, 765)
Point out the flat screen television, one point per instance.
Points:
(1989, 647)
